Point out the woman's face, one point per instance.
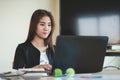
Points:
(43, 27)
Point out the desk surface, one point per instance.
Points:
(107, 74)
(112, 52)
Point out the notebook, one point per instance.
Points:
(85, 54)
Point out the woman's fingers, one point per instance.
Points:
(37, 66)
(45, 66)
(48, 66)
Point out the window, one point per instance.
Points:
(105, 25)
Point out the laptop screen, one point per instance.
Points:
(83, 53)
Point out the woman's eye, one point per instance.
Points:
(41, 24)
(49, 25)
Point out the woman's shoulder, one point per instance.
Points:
(24, 44)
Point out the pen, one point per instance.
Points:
(96, 76)
(91, 76)
(7, 72)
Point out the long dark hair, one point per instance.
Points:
(37, 15)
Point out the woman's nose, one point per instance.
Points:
(46, 27)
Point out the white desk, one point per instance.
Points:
(107, 74)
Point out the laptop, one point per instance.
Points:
(85, 54)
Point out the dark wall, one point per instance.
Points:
(71, 9)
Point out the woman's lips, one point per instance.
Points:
(45, 33)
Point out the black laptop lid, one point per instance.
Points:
(83, 53)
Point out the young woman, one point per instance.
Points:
(38, 50)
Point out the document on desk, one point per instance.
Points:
(11, 73)
(34, 72)
(25, 72)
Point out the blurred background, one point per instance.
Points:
(102, 19)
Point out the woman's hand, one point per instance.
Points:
(45, 66)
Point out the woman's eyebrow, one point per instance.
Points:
(44, 22)
(41, 22)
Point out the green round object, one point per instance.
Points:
(57, 72)
(70, 72)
